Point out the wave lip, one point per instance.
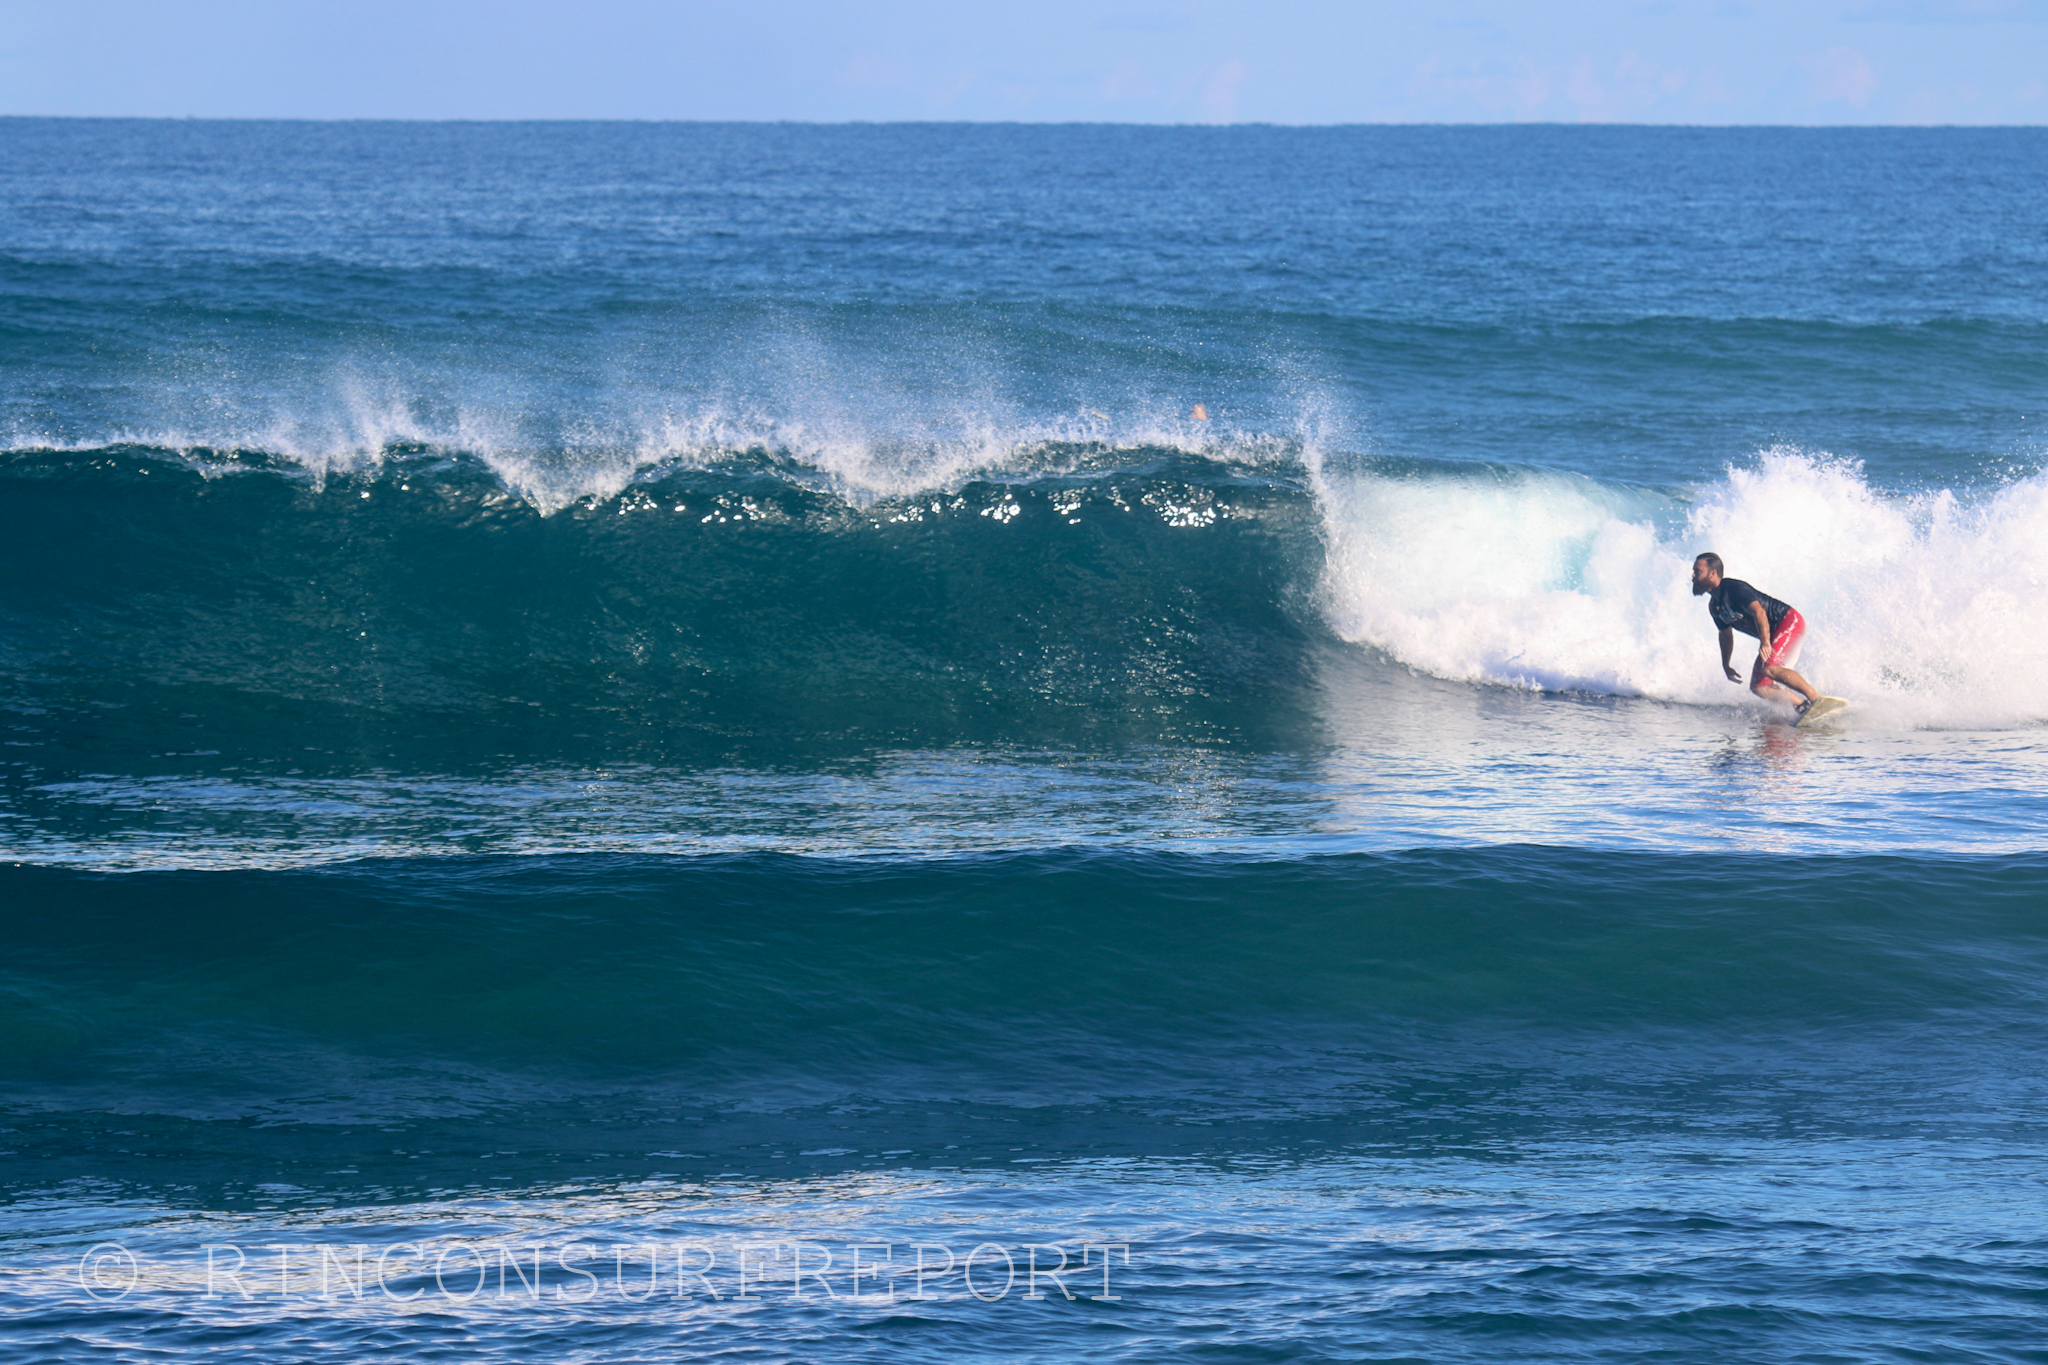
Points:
(864, 457)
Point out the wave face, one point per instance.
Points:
(418, 607)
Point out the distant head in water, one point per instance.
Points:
(1706, 574)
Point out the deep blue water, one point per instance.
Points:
(649, 742)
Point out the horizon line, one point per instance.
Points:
(1007, 123)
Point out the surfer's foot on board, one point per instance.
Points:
(1819, 710)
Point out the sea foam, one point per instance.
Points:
(1922, 607)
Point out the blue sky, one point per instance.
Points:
(1279, 61)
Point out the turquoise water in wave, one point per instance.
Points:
(653, 742)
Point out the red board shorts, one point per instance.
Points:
(1785, 642)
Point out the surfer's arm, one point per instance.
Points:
(1763, 630)
(1728, 652)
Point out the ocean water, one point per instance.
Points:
(673, 742)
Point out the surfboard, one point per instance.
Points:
(1821, 711)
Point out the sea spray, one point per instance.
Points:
(1920, 605)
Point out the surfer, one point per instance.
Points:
(1735, 605)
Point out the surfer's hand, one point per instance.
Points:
(1733, 676)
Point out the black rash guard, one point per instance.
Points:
(1729, 606)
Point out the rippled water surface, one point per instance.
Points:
(639, 742)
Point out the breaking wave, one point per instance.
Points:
(423, 603)
(1922, 606)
